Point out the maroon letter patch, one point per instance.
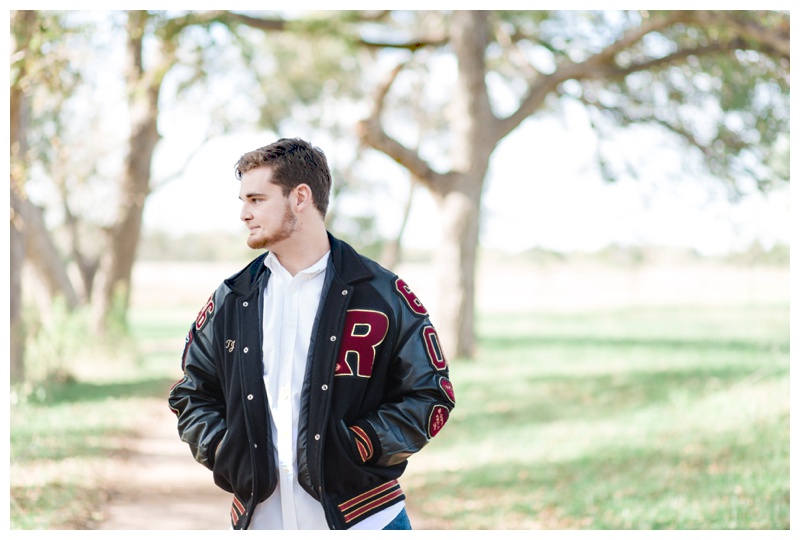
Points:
(447, 389)
(202, 317)
(364, 330)
(438, 419)
(433, 348)
(411, 298)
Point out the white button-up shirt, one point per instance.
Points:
(290, 307)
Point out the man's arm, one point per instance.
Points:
(197, 399)
(419, 394)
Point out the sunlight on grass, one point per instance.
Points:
(651, 418)
(662, 418)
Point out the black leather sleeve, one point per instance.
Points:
(197, 399)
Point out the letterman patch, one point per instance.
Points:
(207, 310)
(410, 298)
(437, 420)
(433, 348)
(364, 330)
(447, 389)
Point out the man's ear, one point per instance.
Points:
(303, 196)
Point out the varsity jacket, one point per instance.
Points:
(376, 390)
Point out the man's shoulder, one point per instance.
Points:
(245, 279)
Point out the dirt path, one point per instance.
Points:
(160, 487)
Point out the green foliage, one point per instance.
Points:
(726, 101)
(62, 348)
(54, 340)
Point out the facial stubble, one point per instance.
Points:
(287, 228)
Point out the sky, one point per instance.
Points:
(542, 191)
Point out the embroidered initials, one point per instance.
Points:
(229, 345)
(364, 330)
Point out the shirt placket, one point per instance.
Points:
(285, 406)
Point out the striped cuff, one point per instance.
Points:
(371, 502)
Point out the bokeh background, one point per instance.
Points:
(593, 206)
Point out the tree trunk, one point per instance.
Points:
(116, 264)
(390, 257)
(17, 330)
(460, 199)
(41, 251)
(455, 267)
(22, 23)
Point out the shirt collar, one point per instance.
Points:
(272, 262)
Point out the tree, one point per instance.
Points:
(668, 68)
(718, 80)
(31, 72)
(54, 52)
(54, 65)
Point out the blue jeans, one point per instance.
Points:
(400, 523)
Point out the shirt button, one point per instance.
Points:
(316, 437)
(344, 292)
(324, 387)
(245, 304)
(245, 349)
(250, 396)
(333, 338)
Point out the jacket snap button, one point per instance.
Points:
(249, 396)
(245, 349)
(333, 338)
(244, 304)
(324, 387)
(316, 437)
(344, 293)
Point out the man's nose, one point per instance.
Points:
(245, 214)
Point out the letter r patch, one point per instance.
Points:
(364, 330)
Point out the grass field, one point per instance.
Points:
(641, 417)
(659, 418)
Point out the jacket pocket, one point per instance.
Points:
(346, 443)
(232, 471)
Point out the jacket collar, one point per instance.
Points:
(344, 260)
(348, 264)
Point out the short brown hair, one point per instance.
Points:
(293, 162)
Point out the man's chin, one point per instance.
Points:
(257, 243)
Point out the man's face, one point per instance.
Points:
(266, 212)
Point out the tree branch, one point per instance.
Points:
(281, 25)
(594, 67)
(602, 65)
(371, 132)
(773, 41)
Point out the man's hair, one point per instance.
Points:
(293, 162)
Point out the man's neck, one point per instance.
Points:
(302, 250)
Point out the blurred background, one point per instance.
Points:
(593, 206)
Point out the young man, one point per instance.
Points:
(313, 374)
